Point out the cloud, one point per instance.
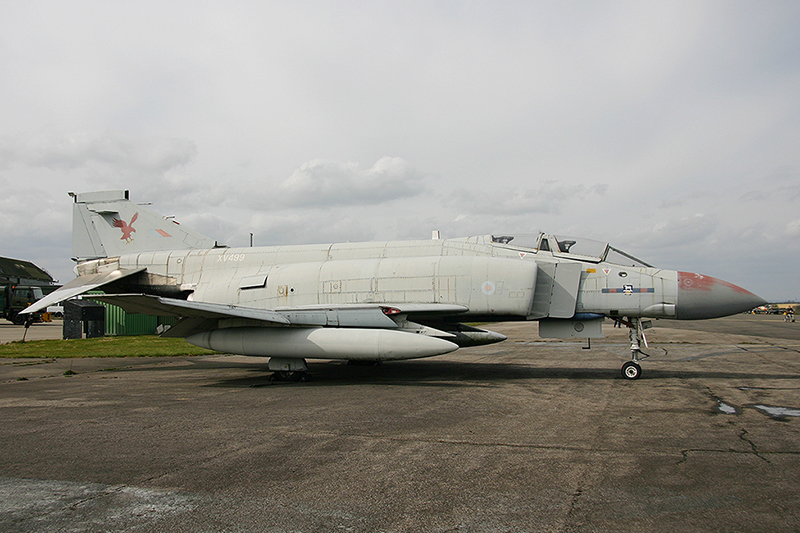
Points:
(756, 196)
(547, 198)
(684, 232)
(293, 228)
(321, 183)
(793, 229)
(31, 208)
(69, 151)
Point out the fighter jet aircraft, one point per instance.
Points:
(374, 301)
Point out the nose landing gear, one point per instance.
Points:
(632, 369)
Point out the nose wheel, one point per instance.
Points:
(631, 370)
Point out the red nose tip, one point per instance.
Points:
(706, 297)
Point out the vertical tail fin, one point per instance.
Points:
(108, 224)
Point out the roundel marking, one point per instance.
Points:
(487, 288)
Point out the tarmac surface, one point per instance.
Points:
(525, 435)
(42, 331)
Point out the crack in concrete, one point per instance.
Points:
(573, 504)
(685, 453)
(116, 489)
(743, 437)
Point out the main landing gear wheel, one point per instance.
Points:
(631, 370)
(288, 369)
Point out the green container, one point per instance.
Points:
(120, 323)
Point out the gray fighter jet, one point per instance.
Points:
(374, 301)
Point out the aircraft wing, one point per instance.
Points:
(79, 286)
(160, 306)
(354, 315)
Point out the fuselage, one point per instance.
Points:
(493, 280)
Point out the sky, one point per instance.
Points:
(669, 129)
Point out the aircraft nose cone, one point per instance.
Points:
(706, 297)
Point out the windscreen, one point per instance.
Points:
(517, 240)
(618, 257)
(581, 246)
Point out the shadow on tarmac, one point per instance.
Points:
(456, 374)
(431, 372)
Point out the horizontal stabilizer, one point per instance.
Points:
(81, 285)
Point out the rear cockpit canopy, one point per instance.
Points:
(577, 248)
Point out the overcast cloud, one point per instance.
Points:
(670, 129)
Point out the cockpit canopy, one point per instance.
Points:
(570, 247)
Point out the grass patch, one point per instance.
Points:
(136, 346)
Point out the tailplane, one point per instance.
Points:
(108, 224)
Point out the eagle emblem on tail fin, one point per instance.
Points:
(127, 228)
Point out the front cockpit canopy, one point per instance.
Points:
(578, 248)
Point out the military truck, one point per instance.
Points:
(21, 284)
(15, 298)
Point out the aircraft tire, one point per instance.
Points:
(291, 376)
(631, 370)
